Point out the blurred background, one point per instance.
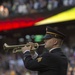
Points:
(22, 21)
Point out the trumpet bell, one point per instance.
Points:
(6, 46)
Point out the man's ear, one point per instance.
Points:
(55, 41)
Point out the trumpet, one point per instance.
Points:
(17, 48)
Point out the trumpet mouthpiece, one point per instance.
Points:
(41, 44)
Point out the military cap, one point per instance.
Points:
(51, 33)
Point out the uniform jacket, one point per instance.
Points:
(49, 63)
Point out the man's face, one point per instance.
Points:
(50, 43)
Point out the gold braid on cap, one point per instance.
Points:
(53, 33)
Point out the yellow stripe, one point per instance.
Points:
(60, 17)
(51, 33)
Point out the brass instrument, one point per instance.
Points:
(17, 48)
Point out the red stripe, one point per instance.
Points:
(18, 23)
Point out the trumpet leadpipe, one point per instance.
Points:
(16, 50)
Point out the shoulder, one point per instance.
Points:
(50, 55)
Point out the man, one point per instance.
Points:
(53, 62)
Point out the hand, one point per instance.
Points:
(25, 48)
(30, 46)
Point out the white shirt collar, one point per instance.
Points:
(53, 49)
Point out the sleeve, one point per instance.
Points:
(38, 64)
(35, 55)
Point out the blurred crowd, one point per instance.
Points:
(70, 53)
(14, 7)
(12, 64)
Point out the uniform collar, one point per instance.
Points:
(54, 49)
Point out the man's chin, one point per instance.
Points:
(46, 47)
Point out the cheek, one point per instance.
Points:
(48, 43)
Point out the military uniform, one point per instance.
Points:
(53, 62)
(50, 63)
